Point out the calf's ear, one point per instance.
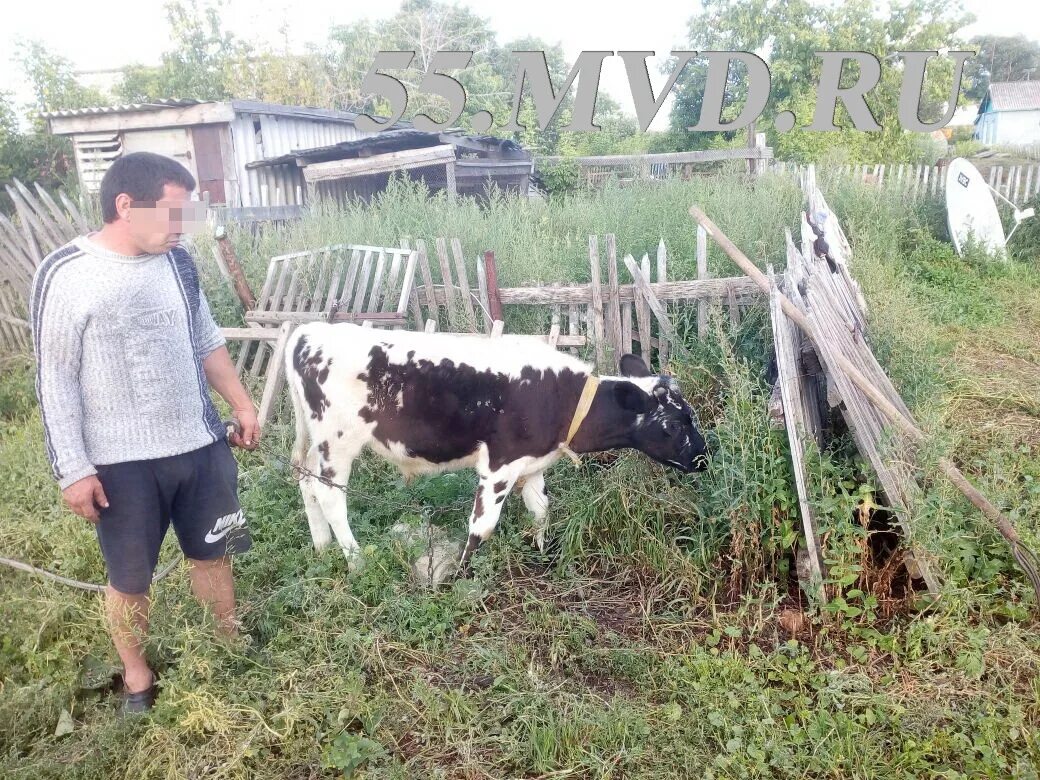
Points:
(633, 398)
(633, 366)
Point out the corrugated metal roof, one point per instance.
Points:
(121, 109)
(239, 106)
(390, 141)
(1015, 95)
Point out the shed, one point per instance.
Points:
(216, 141)
(453, 161)
(1010, 114)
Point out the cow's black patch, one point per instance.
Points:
(500, 499)
(500, 486)
(339, 434)
(312, 376)
(478, 505)
(323, 448)
(443, 411)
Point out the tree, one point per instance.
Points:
(201, 63)
(787, 35)
(52, 80)
(1001, 58)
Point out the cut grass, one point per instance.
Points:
(662, 633)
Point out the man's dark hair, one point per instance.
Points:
(142, 176)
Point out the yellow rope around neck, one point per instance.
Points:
(588, 394)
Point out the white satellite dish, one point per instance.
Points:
(972, 212)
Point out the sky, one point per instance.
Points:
(88, 35)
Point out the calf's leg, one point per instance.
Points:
(487, 508)
(537, 502)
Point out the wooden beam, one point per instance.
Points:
(673, 158)
(711, 290)
(380, 163)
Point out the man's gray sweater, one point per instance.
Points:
(119, 347)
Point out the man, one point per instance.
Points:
(126, 352)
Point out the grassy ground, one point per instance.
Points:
(662, 634)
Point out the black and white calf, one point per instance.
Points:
(507, 407)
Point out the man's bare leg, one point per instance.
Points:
(128, 625)
(213, 586)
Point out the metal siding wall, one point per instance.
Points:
(280, 135)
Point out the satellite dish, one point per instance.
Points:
(972, 212)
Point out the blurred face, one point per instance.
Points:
(157, 227)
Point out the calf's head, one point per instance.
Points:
(659, 419)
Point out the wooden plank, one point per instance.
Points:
(362, 284)
(77, 217)
(626, 328)
(61, 219)
(596, 310)
(408, 285)
(379, 163)
(663, 321)
(460, 269)
(482, 288)
(345, 295)
(391, 295)
(35, 251)
(573, 324)
(497, 328)
(702, 275)
(427, 277)
(494, 294)
(662, 278)
(449, 288)
(643, 317)
(377, 282)
(413, 293)
(431, 326)
(789, 378)
(240, 334)
(554, 335)
(275, 375)
(711, 290)
(278, 317)
(613, 304)
(320, 291)
(47, 232)
(668, 158)
(734, 311)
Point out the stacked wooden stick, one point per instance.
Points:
(822, 300)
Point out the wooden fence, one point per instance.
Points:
(42, 226)
(1017, 183)
(625, 168)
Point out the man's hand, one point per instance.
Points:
(85, 496)
(247, 436)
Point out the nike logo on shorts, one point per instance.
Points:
(225, 524)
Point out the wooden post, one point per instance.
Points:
(449, 173)
(613, 307)
(702, 273)
(275, 374)
(596, 310)
(491, 271)
(234, 268)
(662, 278)
(643, 317)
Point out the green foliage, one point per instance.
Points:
(1000, 58)
(792, 33)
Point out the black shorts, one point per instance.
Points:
(196, 490)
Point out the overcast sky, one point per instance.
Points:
(108, 35)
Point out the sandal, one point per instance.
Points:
(141, 701)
